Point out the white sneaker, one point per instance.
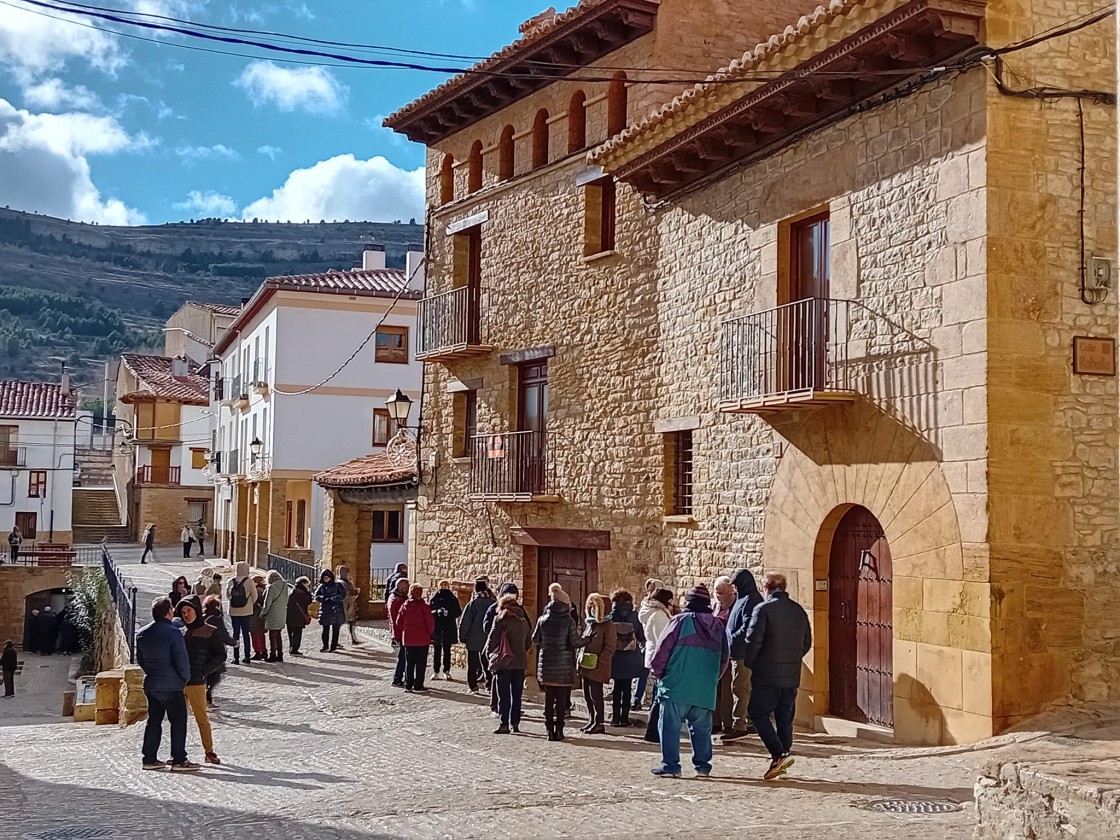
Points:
(436, 676)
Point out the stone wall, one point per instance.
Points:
(16, 583)
(167, 508)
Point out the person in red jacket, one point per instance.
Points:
(415, 623)
(397, 599)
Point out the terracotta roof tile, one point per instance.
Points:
(377, 281)
(35, 400)
(369, 470)
(216, 308)
(156, 381)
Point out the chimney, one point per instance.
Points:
(65, 383)
(373, 257)
(414, 271)
(178, 366)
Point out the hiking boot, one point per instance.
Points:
(597, 729)
(185, 767)
(778, 768)
(559, 733)
(661, 772)
(734, 735)
(155, 765)
(502, 730)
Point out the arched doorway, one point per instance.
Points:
(861, 632)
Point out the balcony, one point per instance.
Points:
(219, 390)
(157, 475)
(511, 467)
(231, 463)
(791, 357)
(233, 390)
(13, 456)
(451, 326)
(260, 377)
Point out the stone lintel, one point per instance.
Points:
(562, 538)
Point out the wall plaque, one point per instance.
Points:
(1094, 356)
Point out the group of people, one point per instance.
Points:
(189, 535)
(46, 632)
(184, 650)
(728, 665)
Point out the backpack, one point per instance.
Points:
(502, 656)
(237, 596)
(627, 638)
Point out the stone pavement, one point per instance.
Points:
(40, 684)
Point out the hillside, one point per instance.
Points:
(80, 293)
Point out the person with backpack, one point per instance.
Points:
(557, 639)
(242, 597)
(299, 615)
(628, 662)
(508, 647)
(149, 539)
(415, 624)
(397, 599)
(599, 644)
(274, 614)
(446, 610)
(330, 594)
(474, 638)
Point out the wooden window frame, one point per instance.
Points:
(392, 355)
(540, 139)
(600, 217)
(507, 154)
(37, 484)
(617, 105)
(382, 413)
(466, 423)
(385, 517)
(30, 532)
(195, 454)
(681, 461)
(577, 122)
(474, 168)
(300, 531)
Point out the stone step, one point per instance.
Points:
(91, 534)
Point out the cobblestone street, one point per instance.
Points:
(324, 747)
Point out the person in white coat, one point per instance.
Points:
(655, 612)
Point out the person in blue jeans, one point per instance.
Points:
(161, 651)
(691, 656)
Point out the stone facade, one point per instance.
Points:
(16, 583)
(167, 507)
(989, 465)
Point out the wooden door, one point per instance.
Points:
(861, 633)
(803, 324)
(161, 466)
(529, 447)
(576, 570)
(27, 524)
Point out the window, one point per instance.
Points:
(532, 397)
(474, 168)
(447, 180)
(540, 139)
(288, 522)
(301, 522)
(577, 122)
(391, 345)
(678, 452)
(616, 105)
(380, 426)
(198, 459)
(26, 523)
(37, 484)
(387, 526)
(599, 217)
(466, 422)
(808, 258)
(505, 154)
(9, 451)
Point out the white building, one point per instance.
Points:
(37, 425)
(306, 368)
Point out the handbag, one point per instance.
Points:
(589, 661)
(502, 656)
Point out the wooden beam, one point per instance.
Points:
(766, 122)
(710, 148)
(957, 27)
(832, 90)
(561, 538)
(907, 49)
(737, 136)
(799, 104)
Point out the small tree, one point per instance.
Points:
(93, 608)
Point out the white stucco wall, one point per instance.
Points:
(48, 445)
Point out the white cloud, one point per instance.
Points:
(193, 154)
(55, 94)
(312, 89)
(44, 166)
(269, 152)
(32, 45)
(344, 187)
(208, 204)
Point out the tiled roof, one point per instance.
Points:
(216, 308)
(156, 381)
(367, 471)
(719, 90)
(35, 400)
(377, 281)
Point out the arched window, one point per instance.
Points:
(447, 180)
(540, 139)
(474, 168)
(505, 154)
(616, 104)
(577, 122)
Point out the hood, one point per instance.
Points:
(744, 583)
(242, 570)
(343, 573)
(273, 576)
(514, 609)
(190, 601)
(558, 608)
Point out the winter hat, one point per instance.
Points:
(698, 599)
(480, 585)
(556, 593)
(664, 596)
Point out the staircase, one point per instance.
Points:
(96, 467)
(96, 517)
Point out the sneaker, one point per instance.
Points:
(662, 773)
(397, 684)
(422, 689)
(408, 690)
(186, 767)
(435, 676)
(449, 678)
(703, 774)
(637, 707)
(212, 758)
(476, 692)
(324, 650)
(155, 765)
(778, 767)
(734, 735)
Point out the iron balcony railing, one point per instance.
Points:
(124, 595)
(158, 475)
(799, 347)
(510, 464)
(13, 456)
(452, 319)
(260, 371)
(231, 464)
(293, 570)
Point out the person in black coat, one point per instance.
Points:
(777, 639)
(628, 662)
(69, 638)
(737, 623)
(299, 602)
(31, 632)
(48, 631)
(557, 638)
(212, 614)
(487, 626)
(472, 633)
(206, 653)
(446, 610)
(9, 661)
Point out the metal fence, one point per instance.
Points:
(450, 320)
(124, 595)
(377, 578)
(292, 570)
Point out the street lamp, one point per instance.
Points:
(399, 406)
(255, 447)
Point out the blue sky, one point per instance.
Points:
(98, 127)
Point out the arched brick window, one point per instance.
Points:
(616, 104)
(474, 168)
(505, 154)
(540, 139)
(577, 122)
(447, 180)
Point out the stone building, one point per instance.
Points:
(841, 311)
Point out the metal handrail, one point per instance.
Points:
(510, 464)
(451, 319)
(291, 570)
(124, 595)
(148, 474)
